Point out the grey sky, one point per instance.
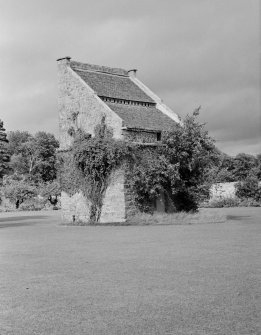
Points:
(190, 52)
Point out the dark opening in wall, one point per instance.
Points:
(158, 136)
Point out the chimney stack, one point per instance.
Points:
(65, 60)
(132, 73)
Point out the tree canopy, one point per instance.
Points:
(4, 152)
(33, 156)
(178, 167)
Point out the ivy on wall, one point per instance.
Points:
(176, 168)
(87, 167)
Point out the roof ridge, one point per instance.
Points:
(97, 71)
(98, 68)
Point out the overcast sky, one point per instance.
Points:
(189, 52)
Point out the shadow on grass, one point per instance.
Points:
(238, 217)
(18, 221)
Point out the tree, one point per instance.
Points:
(18, 190)
(16, 141)
(178, 167)
(34, 156)
(149, 176)
(258, 167)
(244, 164)
(192, 150)
(4, 153)
(249, 188)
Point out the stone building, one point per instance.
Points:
(89, 93)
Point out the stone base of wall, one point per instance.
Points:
(118, 203)
(75, 208)
(114, 207)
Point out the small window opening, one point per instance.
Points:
(158, 136)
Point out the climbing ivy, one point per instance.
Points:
(175, 168)
(89, 164)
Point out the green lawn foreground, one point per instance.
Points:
(161, 279)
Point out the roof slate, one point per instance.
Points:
(141, 117)
(113, 86)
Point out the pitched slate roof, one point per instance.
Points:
(110, 82)
(141, 117)
(98, 68)
(115, 83)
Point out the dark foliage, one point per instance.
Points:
(177, 168)
(249, 188)
(4, 152)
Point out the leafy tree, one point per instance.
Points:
(18, 190)
(34, 156)
(244, 164)
(149, 177)
(258, 167)
(249, 188)
(237, 168)
(45, 161)
(4, 153)
(178, 167)
(16, 140)
(192, 150)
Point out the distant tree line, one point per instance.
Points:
(31, 170)
(239, 168)
(184, 166)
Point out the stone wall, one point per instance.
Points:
(223, 190)
(140, 136)
(75, 208)
(79, 107)
(113, 209)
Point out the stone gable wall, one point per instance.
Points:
(80, 108)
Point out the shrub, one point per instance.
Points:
(250, 202)
(249, 189)
(51, 191)
(231, 202)
(34, 204)
(224, 202)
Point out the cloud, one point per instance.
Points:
(189, 52)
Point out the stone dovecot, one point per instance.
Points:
(88, 94)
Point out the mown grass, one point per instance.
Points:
(181, 218)
(200, 280)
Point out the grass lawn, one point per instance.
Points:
(198, 279)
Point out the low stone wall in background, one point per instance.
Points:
(223, 190)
